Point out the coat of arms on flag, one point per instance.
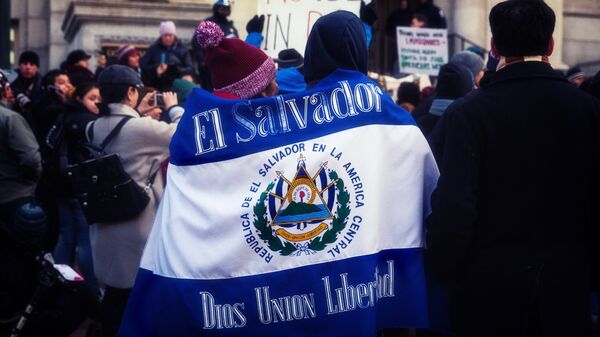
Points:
(304, 214)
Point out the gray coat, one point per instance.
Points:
(143, 144)
(20, 160)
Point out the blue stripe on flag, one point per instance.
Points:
(214, 129)
(161, 306)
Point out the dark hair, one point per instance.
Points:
(51, 76)
(82, 89)
(408, 92)
(522, 27)
(112, 94)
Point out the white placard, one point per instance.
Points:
(288, 22)
(422, 50)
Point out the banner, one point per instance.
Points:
(422, 50)
(293, 215)
(288, 22)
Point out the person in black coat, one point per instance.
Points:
(166, 59)
(515, 214)
(454, 82)
(28, 85)
(435, 16)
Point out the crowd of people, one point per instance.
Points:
(516, 142)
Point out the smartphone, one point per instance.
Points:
(68, 273)
(163, 58)
(158, 100)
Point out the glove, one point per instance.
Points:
(256, 24)
(368, 14)
(23, 100)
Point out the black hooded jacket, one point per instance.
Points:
(336, 41)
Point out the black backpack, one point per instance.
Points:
(104, 190)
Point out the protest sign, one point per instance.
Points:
(421, 50)
(288, 22)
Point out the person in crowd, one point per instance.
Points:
(472, 61)
(142, 144)
(221, 10)
(129, 56)
(290, 76)
(28, 84)
(402, 17)
(408, 96)
(74, 238)
(20, 160)
(57, 89)
(465, 58)
(435, 16)
(101, 64)
(255, 77)
(78, 67)
(182, 88)
(454, 81)
(477, 50)
(419, 21)
(165, 59)
(514, 216)
(576, 76)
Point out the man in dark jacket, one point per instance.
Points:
(165, 59)
(27, 86)
(435, 16)
(515, 212)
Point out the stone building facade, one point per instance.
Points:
(54, 27)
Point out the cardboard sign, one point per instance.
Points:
(288, 22)
(422, 50)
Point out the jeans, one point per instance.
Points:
(74, 233)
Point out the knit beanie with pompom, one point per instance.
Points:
(236, 67)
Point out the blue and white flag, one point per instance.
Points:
(294, 215)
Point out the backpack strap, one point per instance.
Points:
(114, 131)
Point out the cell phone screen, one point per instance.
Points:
(68, 273)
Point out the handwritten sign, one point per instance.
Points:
(421, 50)
(288, 22)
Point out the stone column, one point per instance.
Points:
(557, 57)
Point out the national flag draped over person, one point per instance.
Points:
(293, 215)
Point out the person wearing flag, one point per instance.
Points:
(297, 214)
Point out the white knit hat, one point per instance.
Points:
(167, 27)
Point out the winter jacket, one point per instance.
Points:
(20, 161)
(515, 212)
(142, 144)
(290, 80)
(177, 57)
(31, 89)
(75, 119)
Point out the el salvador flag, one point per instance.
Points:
(294, 215)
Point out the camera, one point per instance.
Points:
(158, 100)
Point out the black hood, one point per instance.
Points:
(337, 40)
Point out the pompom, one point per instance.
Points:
(209, 34)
